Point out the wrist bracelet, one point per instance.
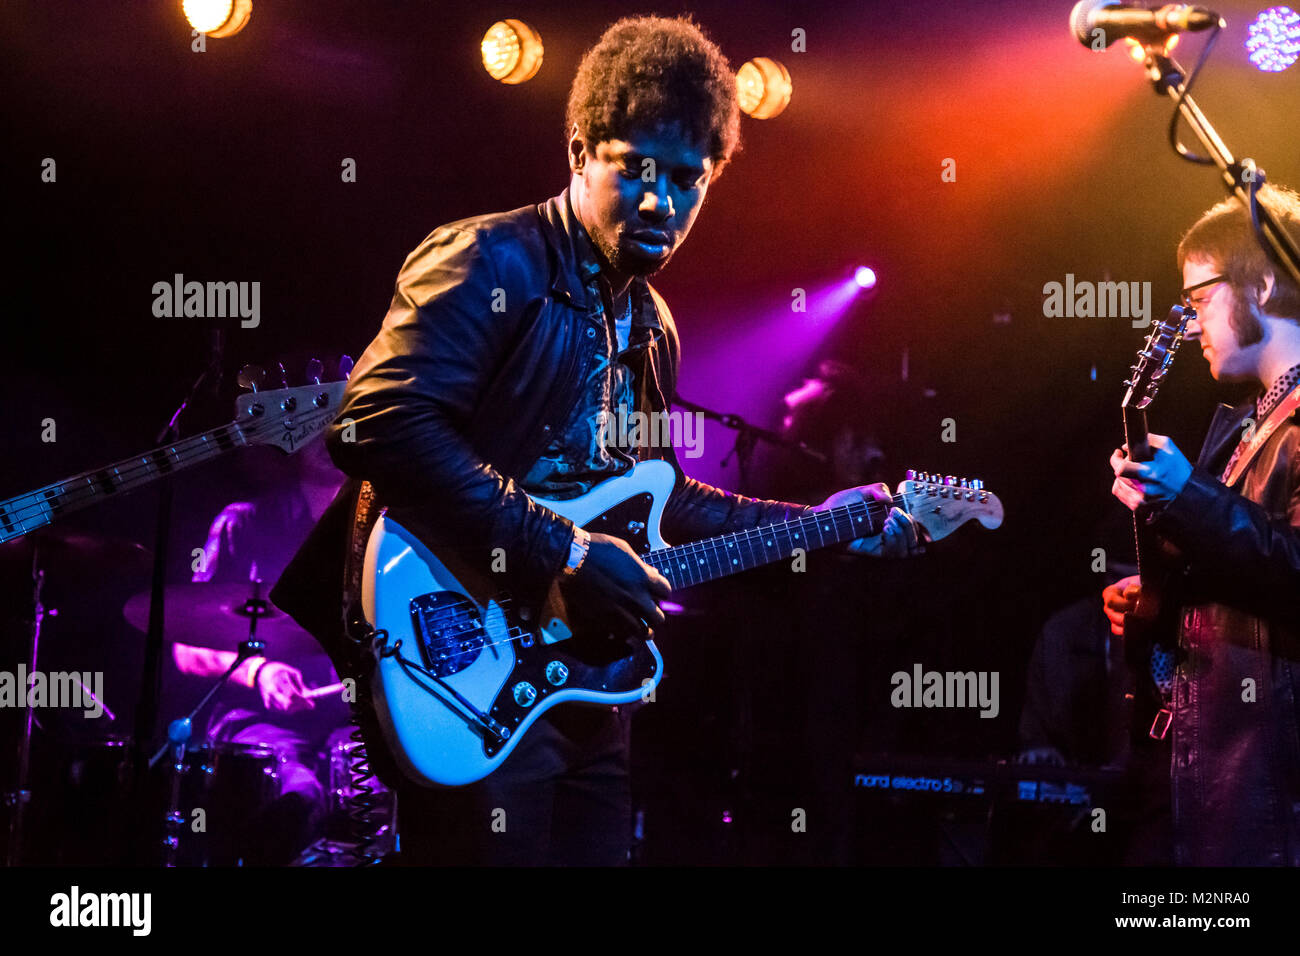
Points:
(577, 551)
(252, 680)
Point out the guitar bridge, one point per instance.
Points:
(449, 629)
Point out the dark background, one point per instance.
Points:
(225, 165)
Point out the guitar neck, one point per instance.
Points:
(688, 564)
(36, 509)
(1135, 434)
(1139, 449)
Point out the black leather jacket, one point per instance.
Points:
(478, 363)
(1236, 743)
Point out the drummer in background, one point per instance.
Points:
(265, 700)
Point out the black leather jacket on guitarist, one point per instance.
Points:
(479, 362)
(1236, 738)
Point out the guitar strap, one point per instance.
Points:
(1247, 450)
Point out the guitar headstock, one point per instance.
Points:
(288, 417)
(942, 503)
(1155, 357)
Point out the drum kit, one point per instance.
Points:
(202, 802)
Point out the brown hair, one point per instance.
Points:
(649, 73)
(1225, 237)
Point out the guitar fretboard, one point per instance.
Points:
(711, 558)
(26, 513)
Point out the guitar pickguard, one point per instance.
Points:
(536, 666)
(451, 636)
(588, 660)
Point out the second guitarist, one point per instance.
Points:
(1233, 680)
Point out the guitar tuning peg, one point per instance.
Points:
(315, 368)
(911, 475)
(977, 484)
(345, 366)
(251, 377)
(284, 376)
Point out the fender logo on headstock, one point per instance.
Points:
(295, 436)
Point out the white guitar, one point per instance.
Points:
(459, 677)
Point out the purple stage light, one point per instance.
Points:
(1274, 41)
(865, 277)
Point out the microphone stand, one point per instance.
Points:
(21, 795)
(747, 437)
(146, 713)
(1170, 79)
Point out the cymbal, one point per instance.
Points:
(62, 553)
(217, 616)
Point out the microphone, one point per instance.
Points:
(1118, 21)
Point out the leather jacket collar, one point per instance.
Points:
(578, 266)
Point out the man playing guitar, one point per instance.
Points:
(1231, 687)
(511, 340)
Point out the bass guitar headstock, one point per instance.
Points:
(288, 417)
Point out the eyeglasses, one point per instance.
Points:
(1196, 302)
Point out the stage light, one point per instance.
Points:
(217, 18)
(763, 87)
(512, 51)
(1274, 41)
(865, 277)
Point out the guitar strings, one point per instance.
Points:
(874, 509)
(85, 489)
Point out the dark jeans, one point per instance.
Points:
(562, 798)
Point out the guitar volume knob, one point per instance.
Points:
(556, 673)
(525, 693)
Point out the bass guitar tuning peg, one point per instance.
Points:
(251, 377)
(314, 370)
(345, 366)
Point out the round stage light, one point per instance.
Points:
(512, 51)
(1274, 41)
(865, 277)
(763, 87)
(217, 18)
